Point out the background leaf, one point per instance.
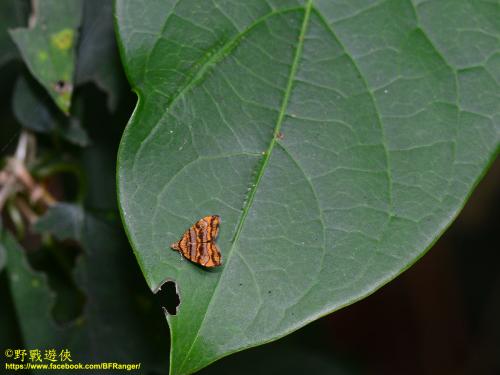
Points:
(30, 111)
(336, 141)
(48, 46)
(32, 298)
(9, 335)
(34, 111)
(64, 220)
(116, 310)
(12, 14)
(98, 59)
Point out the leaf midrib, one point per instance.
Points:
(207, 61)
(267, 155)
(192, 79)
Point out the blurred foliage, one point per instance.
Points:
(70, 279)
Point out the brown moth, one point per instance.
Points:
(198, 242)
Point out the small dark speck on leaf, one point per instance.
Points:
(62, 86)
(241, 284)
(268, 292)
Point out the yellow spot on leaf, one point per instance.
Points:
(43, 56)
(63, 40)
(35, 283)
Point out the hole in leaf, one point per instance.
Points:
(62, 86)
(168, 297)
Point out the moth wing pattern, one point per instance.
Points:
(198, 242)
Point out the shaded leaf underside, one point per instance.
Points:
(386, 120)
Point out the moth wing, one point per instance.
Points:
(197, 243)
(183, 244)
(214, 226)
(209, 228)
(214, 258)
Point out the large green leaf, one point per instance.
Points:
(337, 140)
(48, 46)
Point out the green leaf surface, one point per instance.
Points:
(118, 323)
(48, 46)
(336, 140)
